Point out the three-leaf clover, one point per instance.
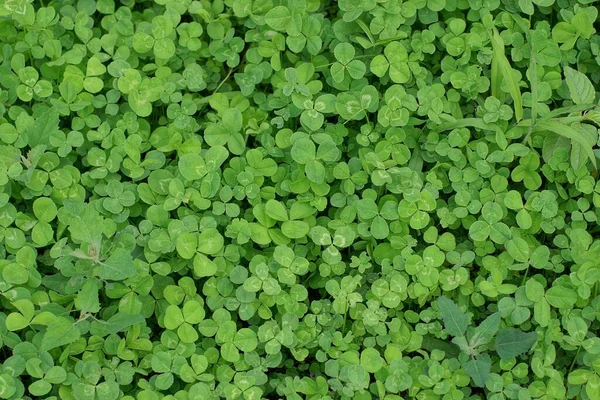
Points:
(346, 63)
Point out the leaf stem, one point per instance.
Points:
(384, 41)
(534, 94)
(216, 89)
(525, 275)
(574, 359)
(358, 57)
(223, 81)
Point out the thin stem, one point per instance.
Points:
(310, 276)
(384, 41)
(575, 359)
(355, 58)
(217, 88)
(525, 275)
(224, 80)
(355, 114)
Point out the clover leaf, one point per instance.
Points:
(299, 199)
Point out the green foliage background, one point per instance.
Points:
(299, 199)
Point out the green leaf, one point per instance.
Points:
(118, 266)
(278, 18)
(561, 297)
(467, 122)
(303, 151)
(511, 342)
(479, 230)
(455, 321)
(203, 266)
(553, 142)
(199, 197)
(121, 321)
(580, 87)
(371, 360)
(569, 133)
(85, 224)
(186, 245)
(534, 85)
(192, 166)
(295, 229)
(479, 369)
(210, 241)
(276, 210)
(486, 330)
(87, 299)
(44, 209)
(518, 249)
(245, 340)
(40, 388)
(59, 333)
(229, 352)
(43, 126)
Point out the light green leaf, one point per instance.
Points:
(87, 299)
(43, 126)
(278, 18)
(59, 333)
(561, 297)
(118, 266)
(276, 210)
(580, 87)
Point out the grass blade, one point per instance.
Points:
(467, 123)
(568, 110)
(534, 86)
(496, 80)
(569, 133)
(506, 70)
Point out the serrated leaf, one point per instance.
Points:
(43, 126)
(59, 333)
(486, 330)
(118, 266)
(122, 321)
(580, 87)
(479, 369)
(87, 299)
(455, 321)
(511, 342)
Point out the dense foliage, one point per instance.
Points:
(299, 199)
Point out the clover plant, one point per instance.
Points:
(299, 199)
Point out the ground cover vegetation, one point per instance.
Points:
(299, 199)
